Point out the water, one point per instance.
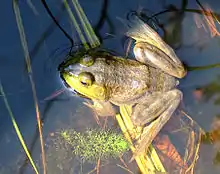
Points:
(193, 45)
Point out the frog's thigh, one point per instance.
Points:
(101, 108)
(150, 54)
(155, 105)
(167, 104)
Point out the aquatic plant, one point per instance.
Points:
(95, 144)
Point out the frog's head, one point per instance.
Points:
(83, 76)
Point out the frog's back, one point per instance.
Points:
(129, 79)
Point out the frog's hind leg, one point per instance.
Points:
(162, 107)
(150, 48)
(154, 105)
(150, 54)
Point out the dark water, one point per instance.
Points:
(194, 46)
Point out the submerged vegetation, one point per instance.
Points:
(95, 144)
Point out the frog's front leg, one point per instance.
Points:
(160, 105)
(101, 108)
(154, 56)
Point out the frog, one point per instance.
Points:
(148, 82)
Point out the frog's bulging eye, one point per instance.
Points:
(86, 78)
(87, 61)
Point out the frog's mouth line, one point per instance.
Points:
(72, 90)
(78, 94)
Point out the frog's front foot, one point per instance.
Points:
(159, 107)
(101, 108)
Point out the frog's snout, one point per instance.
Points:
(63, 72)
(64, 80)
(62, 66)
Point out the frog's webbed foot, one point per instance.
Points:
(101, 108)
(161, 106)
(151, 49)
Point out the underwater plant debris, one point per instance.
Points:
(95, 144)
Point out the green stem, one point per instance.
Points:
(73, 19)
(195, 68)
(94, 41)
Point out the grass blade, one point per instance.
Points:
(27, 58)
(73, 19)
(94, 41)
(17, 129)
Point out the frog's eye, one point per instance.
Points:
(86, 79)
(87, 60)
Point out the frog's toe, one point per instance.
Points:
(181, 72)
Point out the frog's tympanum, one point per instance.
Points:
(147, 83)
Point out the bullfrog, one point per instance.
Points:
(148, 83)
